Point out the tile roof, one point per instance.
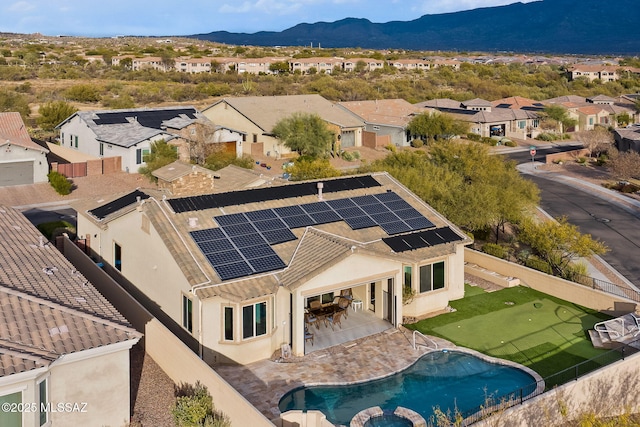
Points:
(314, 247)
(266, 111)
(48, 308)
(516, 102)
(128, 127)
(13, 130)
(392, 112)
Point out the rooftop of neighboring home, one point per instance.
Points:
(13, 131)
(465, 110)
(391, 112)
(517, 103)
(244, 244)
(128, 127)
(48, 308)
(266, 111)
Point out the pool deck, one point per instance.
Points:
(264, 383)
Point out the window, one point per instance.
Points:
(432, 277)
(324, 298)
(187, 313)
(536, 123)
(42, 402)
(76, 141)
(101, 149)
(117, 256)
(590, 120)
(522, 124)
(255, 137)
(70, 140)
(407, 276)
(141, 155)
(228, 323)
(254, 320)
(11, 418)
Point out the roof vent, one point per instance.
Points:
(49, 270)
(193, 222)
(62, 329)
(320, 187)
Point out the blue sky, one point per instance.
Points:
(99, 18)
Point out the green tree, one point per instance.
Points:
(279, 67)
(434, 125)
(560, 115)
(13, 101)
(311, 168)
(307, 134)
(161, 154)
(558, 242)
(53, 113)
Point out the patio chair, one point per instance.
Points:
(310, 319)
(308, 336)
(335, 319)
(346, 293)
(343, 306)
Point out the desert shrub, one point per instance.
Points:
(60, 183)
(510, 143)
(488, 140)
(356, 155)
(581, 160)
(391, 148)
(545, 136)
(417, 143)
(602, 159)
(538, 264)
(494, 249)
(84, 93)
(194, 408)
(473, 137)
(346, 156)
(577, 272)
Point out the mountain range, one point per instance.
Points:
(547, 26)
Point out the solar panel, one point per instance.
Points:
(356, 223)
(340, 203)
(397, 205)
(364, 200)
(375, 208)
(408, 213)
(226, 257)
(268, 263)
(421, 239)
(289, 211)
(389, 196)
(261, 215)
(350, 212)
(101, 212)
(298, 221)
(325, 217)
(419, 223)
(230, 219)
(395, 227)
(208, 234)
(315, 207)
(269, 224)
(239, 229)
(233, 270)
(257, 251)
(274, 237)
(247, 240)
(215, 246)
(381, 218)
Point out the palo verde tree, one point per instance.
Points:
(161, 154)
(560, 115)
(307, 134)
(435, 125)
(53, 113)
(559, 243)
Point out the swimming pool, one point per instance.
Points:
(444, 379)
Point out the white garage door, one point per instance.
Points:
(16, 173)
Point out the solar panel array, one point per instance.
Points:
(422, 239)
(101, 212)
(265, 194)
(240, 246)
(151, 118)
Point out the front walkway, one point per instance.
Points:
(264, 383)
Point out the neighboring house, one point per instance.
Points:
(518, 103)
(193, 65)
(124, 133)
(411, 64)
(238, 269)
(628, 139)
(384, 118)
(370, 64)
(487, 120)
(256, 117)
(604, 73)
(22, 161)
(596, 110)
(320, 65)
(61, 341)
(258, 65)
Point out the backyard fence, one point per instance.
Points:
(496, 404)
(611, 288)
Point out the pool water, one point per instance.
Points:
(388, 420)
(448, 380)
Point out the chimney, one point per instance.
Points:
(320, 187)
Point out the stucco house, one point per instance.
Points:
(485, 119)
(256, 117)
(594, 110)
(239, 270)
(126, 133)
(386, 118)
(61, 341)
(22, 161)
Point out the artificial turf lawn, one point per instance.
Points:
(520, 324)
